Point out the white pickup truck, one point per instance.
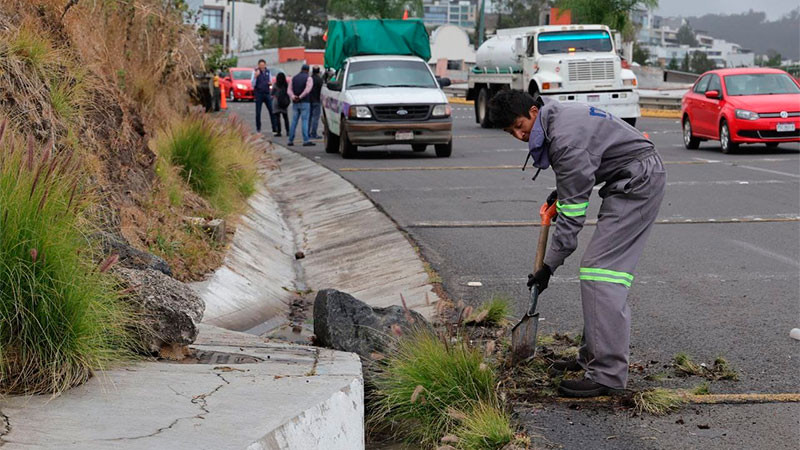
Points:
(386, 99)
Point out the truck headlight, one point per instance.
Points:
(441, 110)
(241, 86)
(629, 82)
(746, 115)
(360, 112)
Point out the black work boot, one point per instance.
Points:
(558, 367)
(583, 388)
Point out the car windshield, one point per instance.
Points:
(242, 74)
(574, 41)
(760, 84)
(370, 74)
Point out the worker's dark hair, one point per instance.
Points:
(280, 80)
(507, 105)
(261, 60)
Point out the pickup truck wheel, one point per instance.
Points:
(346, 148)
(482, 109)
(331, 140)
(419, 147)
(444, 150)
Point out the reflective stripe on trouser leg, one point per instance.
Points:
(625, 219)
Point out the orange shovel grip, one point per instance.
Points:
(547, 212)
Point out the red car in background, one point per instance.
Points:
(742, 106)
(238, 84)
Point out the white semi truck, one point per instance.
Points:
(566, 62)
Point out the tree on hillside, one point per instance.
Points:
(305, 14)
(673, 64)
(516, 13)
(640, 54)
(685, 63)
(275, 35)
(614, 13)
(686, 36)
(377, 9)
(774, 59)
(216, 61)
(700, 63)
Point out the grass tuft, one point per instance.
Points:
(60, 315)
(453, 377)
(723, 371)
(702, 389)
(684, 365)
(485, 427)
(492, 313)
(658, 401)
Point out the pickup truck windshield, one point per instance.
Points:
(574, 41)
(760, 84)
(371, 74)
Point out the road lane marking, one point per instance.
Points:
(776, 172)
(593, 222)
(765, 252)
(519, 167)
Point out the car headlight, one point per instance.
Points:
(629, 82)
(746, 115)
(360, 112)
(442, 110)
(241, 86)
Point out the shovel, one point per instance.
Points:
(523, 335)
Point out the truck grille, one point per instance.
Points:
(389, 113)
(591, 70)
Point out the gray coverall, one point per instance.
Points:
(586, 147)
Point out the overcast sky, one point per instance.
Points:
(773, 8)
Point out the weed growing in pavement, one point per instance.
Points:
(702, 389)
(423, 387)
(60, 316)
(658, 401)
(484, 427)
(720, 370)
(684, 365)
(493, 313)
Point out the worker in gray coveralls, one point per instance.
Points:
(587, 146)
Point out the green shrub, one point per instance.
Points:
(60, 315)
(215, 159)
(495, 312)
(424, 384)
(485, 427)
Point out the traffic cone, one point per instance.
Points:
(223, 103)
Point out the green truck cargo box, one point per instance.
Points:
(348, 38)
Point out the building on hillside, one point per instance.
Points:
(231, 24)
(452, 55)
(461, 13)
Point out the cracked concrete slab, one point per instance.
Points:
(297, 398)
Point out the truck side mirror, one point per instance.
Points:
(519, 47)
(443, 82)
(334, 86)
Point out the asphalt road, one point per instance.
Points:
(719, 277)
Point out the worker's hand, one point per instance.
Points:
(541, 278)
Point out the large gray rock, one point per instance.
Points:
(170, 310)
(130, 257)
(345, 323)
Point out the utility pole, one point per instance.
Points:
(481, 24)
(233, 22)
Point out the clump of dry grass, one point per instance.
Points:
(719, 370)
(658, 401)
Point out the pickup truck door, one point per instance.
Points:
(333, 104)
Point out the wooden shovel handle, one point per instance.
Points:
(546, 212)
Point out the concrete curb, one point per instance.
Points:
(293, 397)
(459, 101)
(661, 113)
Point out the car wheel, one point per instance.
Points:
(331, 140)
(482, 108)
(689, 141)
(726, 145)
(631, 121)
(772, 145)
(444, 150)
(419, 147)
(231, 97)
(346, 148)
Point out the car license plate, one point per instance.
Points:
(785, 127)
(404, 136)
(593, 98)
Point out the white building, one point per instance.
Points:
(231, 24)
(462, 13)
(451, 53)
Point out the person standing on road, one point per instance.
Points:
(587, 146)
(316, 106)
(261, 81)
(281, 102)
(299, 90)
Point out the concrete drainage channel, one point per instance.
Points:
(347, 244)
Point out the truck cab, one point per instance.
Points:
(386, 99)
(567, 63)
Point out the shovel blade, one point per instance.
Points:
(523, 338)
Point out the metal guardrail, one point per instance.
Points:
(669, 103)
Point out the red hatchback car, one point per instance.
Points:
(239, 87)
(742, 106)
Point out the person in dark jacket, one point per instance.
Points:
(316, 106)
(261, 81)
(587, 146)
(281, 102)
(299, 90)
